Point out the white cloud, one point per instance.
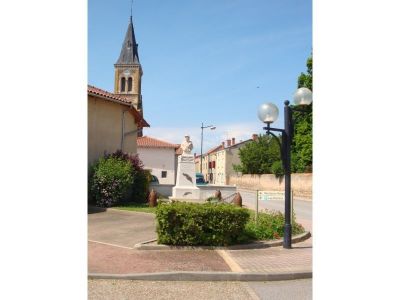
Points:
(211, 138)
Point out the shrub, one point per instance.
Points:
(139, 190)
(270, 225)
(110, 180)
(181, 223)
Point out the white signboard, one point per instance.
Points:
(271, 196)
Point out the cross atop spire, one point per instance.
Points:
(129, 52)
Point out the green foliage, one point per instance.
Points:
(306, 80)
(270, 225)
(302, 153)
(302, 139)
(181, 223)
(118, 178)
(257, 157)
(140, 188)
(110, 180)
(277, 168)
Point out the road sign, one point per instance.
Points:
(271, 195)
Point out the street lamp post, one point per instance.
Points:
(268, 113)
(212, 127)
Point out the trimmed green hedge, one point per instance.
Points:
(190, 224)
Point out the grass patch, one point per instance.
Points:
(140, 207)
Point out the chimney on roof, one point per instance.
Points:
(223, 145)
(228, 143)
(233, 141)
(255, 137)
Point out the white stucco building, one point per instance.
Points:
(159, 157)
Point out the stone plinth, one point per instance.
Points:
(186, 179)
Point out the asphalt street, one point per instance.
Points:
(120, 227)
(192, 290)
(302, 209)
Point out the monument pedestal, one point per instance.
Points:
(185, 187)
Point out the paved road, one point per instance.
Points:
(302, 209)
(283, 290)
(192, 290)
(121, 228)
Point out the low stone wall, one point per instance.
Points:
(301, 183)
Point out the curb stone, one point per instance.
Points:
(255, 245)
(204, 276)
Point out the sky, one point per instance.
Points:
(204, 61)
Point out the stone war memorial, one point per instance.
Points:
(186, 188)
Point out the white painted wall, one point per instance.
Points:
(158, 160)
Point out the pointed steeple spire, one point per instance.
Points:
(129, 53)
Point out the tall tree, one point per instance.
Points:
(305, 80)
(260, 157)
(263, 156)
(302, 139)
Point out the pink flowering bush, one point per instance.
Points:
(110, 180)
(139, 190)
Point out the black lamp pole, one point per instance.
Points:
(268, 113)
(287, 134)
(287, 141)
(201, 149)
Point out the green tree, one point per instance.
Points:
(305, 80)
(260, 157)
(302, 139)
(263, 156)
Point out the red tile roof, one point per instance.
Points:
(221, 147)
(149, 142)
(215, 149)
(99, 92)
(94, 91)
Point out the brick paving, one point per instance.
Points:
(275, 259)
(116, 260)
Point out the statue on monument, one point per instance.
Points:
(187, 145)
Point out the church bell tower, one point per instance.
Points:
(128, 71)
